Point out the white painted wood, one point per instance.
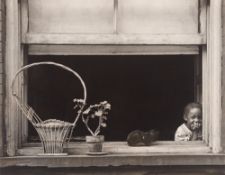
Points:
(202, 16)
(116, 160)
(208, 78)
(205, 95)
(115, 15)
(24, 17)
(158, 16)
(22, 92)
(157, 39)
(66, 16)
(111, 50)
(11, 65)
(197, 79)
(215, 50)
(2, 133)
(205, 71)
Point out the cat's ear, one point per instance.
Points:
(135, 138)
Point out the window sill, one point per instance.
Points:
(119, 154)
(81, 148)
(114, 160)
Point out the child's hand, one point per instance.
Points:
(194, 136)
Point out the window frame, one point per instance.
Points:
(17, 40)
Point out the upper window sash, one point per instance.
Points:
(177, 22)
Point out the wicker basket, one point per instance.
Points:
(53, 133)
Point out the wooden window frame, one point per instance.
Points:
(17, 40)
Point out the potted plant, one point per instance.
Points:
(96, 112)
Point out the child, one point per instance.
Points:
(191, 129)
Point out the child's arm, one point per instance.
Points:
(182, 135)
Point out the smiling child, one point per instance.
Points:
(192, 128)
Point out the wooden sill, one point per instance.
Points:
(114, 160)
(81, 148)
(119, 154)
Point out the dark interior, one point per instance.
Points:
(146, 92)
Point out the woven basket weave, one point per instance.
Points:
(53, 133)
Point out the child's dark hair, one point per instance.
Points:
(190, 106)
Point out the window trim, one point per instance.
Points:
(121, 39)
(135, 49)
(214, 56)
(211, 72)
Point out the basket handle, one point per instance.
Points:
(57, 65)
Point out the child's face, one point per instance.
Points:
(194, 119)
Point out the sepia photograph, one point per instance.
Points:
(112, 87)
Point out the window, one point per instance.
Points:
(115, 34)
(146, 92)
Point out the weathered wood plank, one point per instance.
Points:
(111, 50)
(122, 170)
(24, 17)
(114, 160)
(115, 16)
(205, 70)
(11, 66)
(202, 16)
(161, 147)
(223, 75)
(214, 55)
(205, 95)
(120, 143)
(157, 39)
(1, 82)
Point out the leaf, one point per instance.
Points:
(104, 117)
(87, 111)
(108, 106)
(99, 113)
(103, 125)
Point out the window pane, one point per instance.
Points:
(158, 16)
(66, 16)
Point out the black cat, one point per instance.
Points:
(140, 138)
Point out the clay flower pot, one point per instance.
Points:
(95, 144)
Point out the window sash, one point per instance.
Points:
(113, 16)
